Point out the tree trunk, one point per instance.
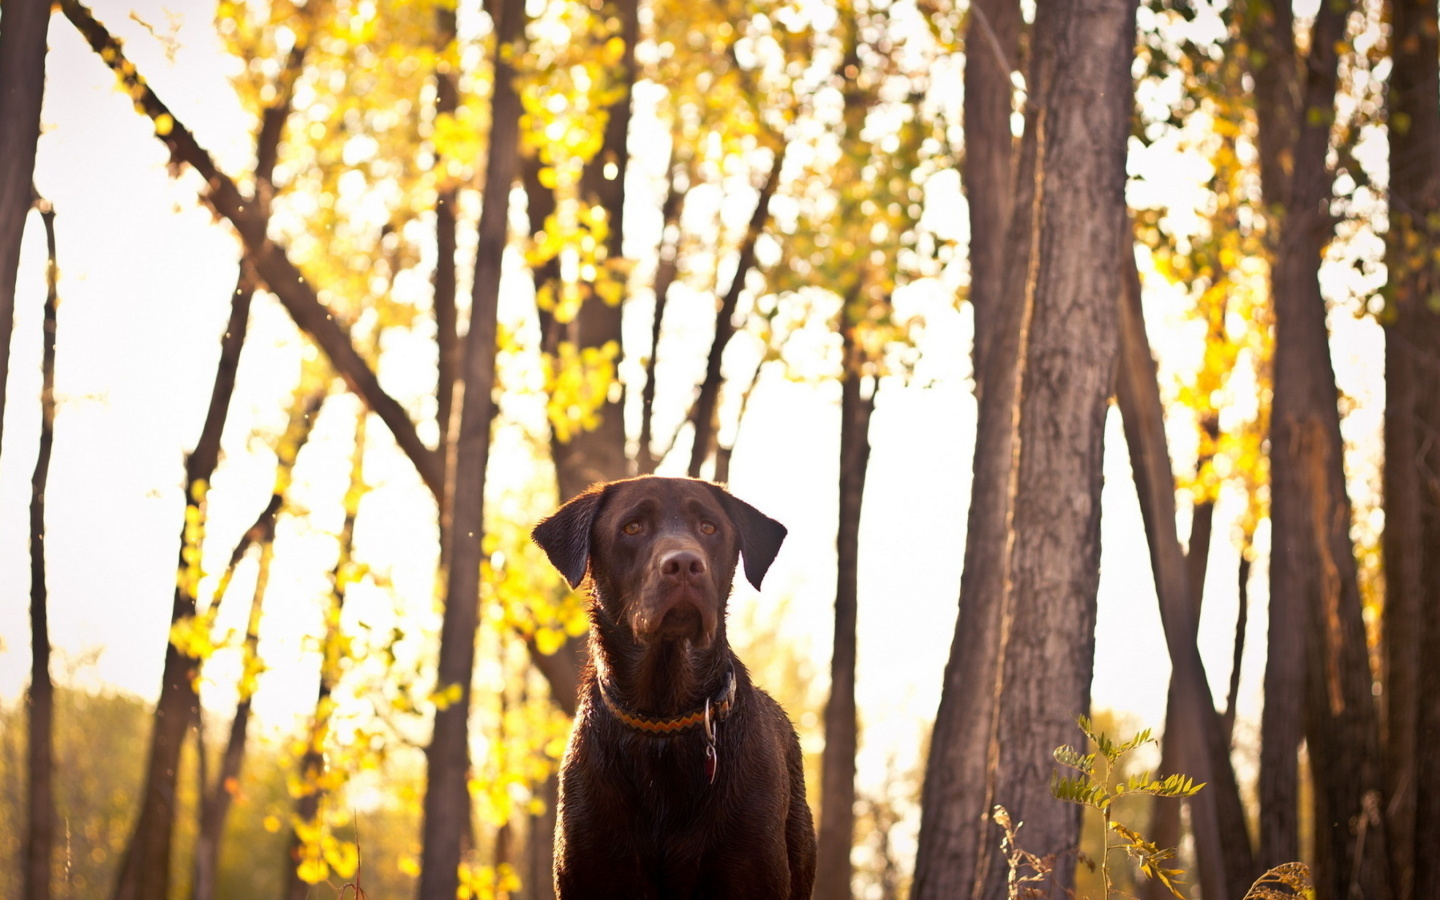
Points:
(22, 87)
(599, 455)
(447, 339)
(447, 798)
(1411, 541)
(955, 800)
(1082, 89)
(1217, 815)
(1316, 626)
(312, 761)
(665, 271)
(837, 765)
(40, 835)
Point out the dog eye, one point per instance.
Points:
(707, 527)
(632, 527)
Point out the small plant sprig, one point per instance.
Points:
(1098, 787)
(1284, 882)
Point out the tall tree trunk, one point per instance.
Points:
(1316, 630)
(22, 87)
(1217, 815)
(1082, 89)
(955, 838)
(1411, 541)
(141, 875)
(447, 797)
(837, 764)
(40, 835)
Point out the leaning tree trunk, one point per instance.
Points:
(1411, 541)
(1200, 746)
(22, 86)
(1082, 91)
(447, 796)
(1316, 621)
(837, 765)
(955, 838)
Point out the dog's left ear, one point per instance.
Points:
(760, 535)
(565, 536)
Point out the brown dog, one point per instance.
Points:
(682, 779)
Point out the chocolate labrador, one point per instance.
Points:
(682, 778)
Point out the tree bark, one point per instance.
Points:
(22, 88)
(955, 841)
(837, 764)
(447, 797)
(1082, 89)
(1411, 541)
(40, 835)
(1217, 815)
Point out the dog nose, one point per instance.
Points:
(682, 564)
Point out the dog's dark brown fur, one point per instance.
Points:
(639, 816)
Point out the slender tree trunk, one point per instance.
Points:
(665, 272)
(40, 835)
(1081, 85)
(312, 761)
(704, 413)
(1217, 815)
(1411, 541)
(447, 798)
(955, 838)
(22, 87)
(837, 765)
(447, 340)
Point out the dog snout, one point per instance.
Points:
(682, 565)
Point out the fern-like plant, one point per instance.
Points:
(1097, 786)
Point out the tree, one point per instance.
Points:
(447, 799)
(22, 85)
(955, 838)
(1076, 130)
(1317, 678)
(40, 697)
(1411, 541)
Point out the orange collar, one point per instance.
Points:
(715, 710)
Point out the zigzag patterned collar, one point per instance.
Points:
(714, 711)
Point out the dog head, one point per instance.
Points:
(661, 552)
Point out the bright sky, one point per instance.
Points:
(145, 281)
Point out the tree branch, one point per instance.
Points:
(268, 258)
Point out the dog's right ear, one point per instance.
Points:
(565, 536)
